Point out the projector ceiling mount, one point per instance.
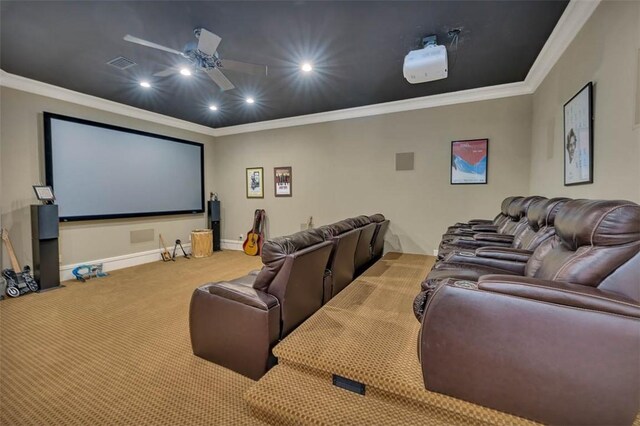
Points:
(203, 56)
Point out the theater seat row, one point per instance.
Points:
(236, 323)
(544, 325)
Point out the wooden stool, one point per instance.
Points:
(201, 242)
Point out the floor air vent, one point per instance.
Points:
(348, 384)
(121, 63)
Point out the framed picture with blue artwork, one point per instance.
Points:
(469, 162)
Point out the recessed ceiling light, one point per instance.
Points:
(145, 84)
(306, 67)
(213, 107)
(185, 71)
(250, 100)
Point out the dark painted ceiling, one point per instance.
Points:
(357, 49)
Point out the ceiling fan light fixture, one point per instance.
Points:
(306, 67)
(145, 84)
(250, 100)
(185, 71)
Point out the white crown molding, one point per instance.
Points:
(24, 84)
(450, 98)
(568, 26)
(576, 14)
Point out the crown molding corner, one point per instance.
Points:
(569, 25)
(24, 84)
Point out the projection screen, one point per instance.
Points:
(99, 171)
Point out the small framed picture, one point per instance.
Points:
(469, 161)
(578, 138)
(255, 182)
(282, 181)
(44, 193)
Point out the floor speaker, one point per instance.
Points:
(213, 219)
(46, 255)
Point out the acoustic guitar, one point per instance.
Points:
(19, 280)
(253, 244)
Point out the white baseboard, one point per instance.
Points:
(133, 259)
(118, 262)
(231, 244)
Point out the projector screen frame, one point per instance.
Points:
(48, 154)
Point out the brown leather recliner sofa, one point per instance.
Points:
(236, 323)
(559, 345)
(502, 235)
(496, 259)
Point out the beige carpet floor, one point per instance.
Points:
(116, 351)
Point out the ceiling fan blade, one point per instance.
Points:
(220, 79)
(146, 43)
(253, 69)
(166, 72)
(208, 42)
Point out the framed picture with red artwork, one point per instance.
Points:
(469, 161)
(282, 181)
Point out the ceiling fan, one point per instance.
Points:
(203, 56)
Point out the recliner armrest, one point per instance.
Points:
(472, 243)
(466, 258)
(485, 228)
(561, 293)
(504, 253)
(235, 326)
(498, 238)
(243, 294)
(481, 221)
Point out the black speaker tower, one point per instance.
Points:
(213, 220)
(44, 240)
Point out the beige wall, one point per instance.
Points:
(605, 51)
(22, 165)
(346, 168)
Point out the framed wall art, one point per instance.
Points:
(469, 161)
(282, 181)
(255, 182)
(578, 138)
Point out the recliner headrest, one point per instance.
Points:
(274, 252)
(518, 208)
(542, 212)
(359, 221)
(504, 207)
(598, 223)
(552, 207)
(336, 229)
(536, 213)
(277, 247)
(377, 218)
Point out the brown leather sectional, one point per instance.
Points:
(550, 330)
(236, 323)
